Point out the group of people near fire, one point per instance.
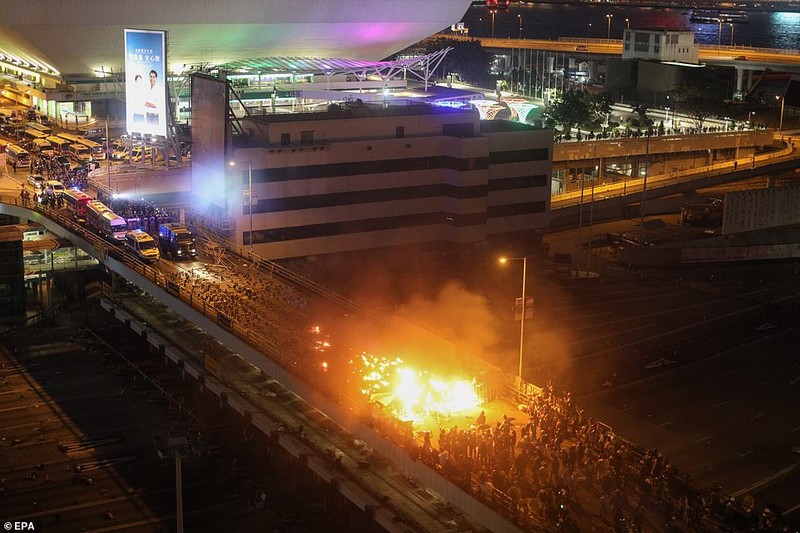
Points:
(537, 469)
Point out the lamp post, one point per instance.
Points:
(627, 24)
(522, 315)
(719, 37)
(608, 34)
(588, 30)
(493, 12)
(520, 25)
(750, 119)
(108, 156)
(644, 189)
(783, 101)
(732, 28)
(249, 199)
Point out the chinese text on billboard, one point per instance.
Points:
(145, 82)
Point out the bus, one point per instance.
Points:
(71, 137)
(107, 223)
(17, 157)
(47, 130)
(31, 134)
(60, 145)
(77, 151)
(76, 202)
(95, 149)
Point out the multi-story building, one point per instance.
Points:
(660, 45)
(361, 176)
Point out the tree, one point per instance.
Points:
(696, 101)
(568, 110)
(600, 107)
(578, 109)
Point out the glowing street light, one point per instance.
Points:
(627, 24)
(732, 28)
(524, 260)
(249, 199)
(608, 35)
(520, 25)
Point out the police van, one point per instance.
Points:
(143, 245)
(17, 157)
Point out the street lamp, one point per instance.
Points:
(588, 30)
(719, 37)
(108, 156)
(783, 101)
(524, 260)
(750, 119)
(249, 199)
(627, 24)
(608, 35)
(493, 12)
(732, 28)
(520, 25)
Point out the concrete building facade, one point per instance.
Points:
(660, 45)
(365, 176)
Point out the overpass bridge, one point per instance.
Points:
(612, 199)
(746, 57)
(385, 489)
(746, 60)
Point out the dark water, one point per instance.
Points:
(549, 21)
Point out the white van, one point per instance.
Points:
(143, 245)
(79, 153)
(17, 157)
(45, 148)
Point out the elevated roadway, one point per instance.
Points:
(383, 491)
(610, 199)
(740, 57)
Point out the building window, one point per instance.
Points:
(307, 137)
(400, 132)
(286, 139)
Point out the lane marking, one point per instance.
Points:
(698, 441)
(681, 392)
(759, 415)
(764, 481)
(665, 424)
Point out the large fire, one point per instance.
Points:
(413, 394)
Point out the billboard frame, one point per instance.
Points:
(146, 106)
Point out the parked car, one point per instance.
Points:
(53, 188)
(37, 182)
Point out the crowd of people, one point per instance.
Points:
(560, 467)
(258, 303)
(553, 470)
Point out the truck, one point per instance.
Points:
(177, 241)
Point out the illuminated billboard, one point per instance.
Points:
(145, 82)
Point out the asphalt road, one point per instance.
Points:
(698, 363)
